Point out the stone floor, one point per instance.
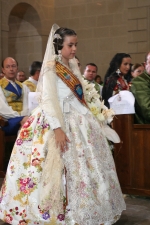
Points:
(137, 212)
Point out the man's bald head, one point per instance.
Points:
(6, 59)
(10, 68)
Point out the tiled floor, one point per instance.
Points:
(137, 213)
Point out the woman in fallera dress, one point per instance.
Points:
(61, 170)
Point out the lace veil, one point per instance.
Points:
(51, 179)
(48, 57)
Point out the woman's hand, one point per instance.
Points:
(61, 139)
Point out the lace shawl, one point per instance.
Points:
(51, 196)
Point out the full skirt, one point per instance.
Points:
(93, 192)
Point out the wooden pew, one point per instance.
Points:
(3, 140)
(2, 147)
(132, 155)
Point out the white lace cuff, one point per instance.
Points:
(53, 122)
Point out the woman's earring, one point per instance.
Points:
(59, 55)
(118, 71)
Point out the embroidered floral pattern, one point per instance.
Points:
(35, 160)
(61, 217)
(25, 187)
(41, 128)
(90, 174)
(8, 218)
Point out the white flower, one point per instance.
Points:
(57, 36)
(94, 103)
(93, 108)
(101, 117)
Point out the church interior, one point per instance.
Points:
(104, 28)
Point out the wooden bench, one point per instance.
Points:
(132, 155)
(3, 140)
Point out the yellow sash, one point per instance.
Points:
(71, 81)
(12, 99)
(30, 85)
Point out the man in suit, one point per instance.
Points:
(13, 97)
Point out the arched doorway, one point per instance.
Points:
(24, 40)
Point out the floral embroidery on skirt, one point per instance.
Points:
(93, 192)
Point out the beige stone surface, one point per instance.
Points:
(137, 36)
(142, 47)
(143, 2)
(133, 46)
(132, 25)
(142, 24)
(138, 57)
(131, 4)
(138, 12)
(96, 8)
(105, 20)
(116, 31)
(104, 27)
(115, 6)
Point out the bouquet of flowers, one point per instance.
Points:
(95, 104)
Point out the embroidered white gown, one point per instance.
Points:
(93, 191)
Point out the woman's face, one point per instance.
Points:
(137, 71)
(125, 65)
(69, 47)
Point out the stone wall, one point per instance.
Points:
(25, 27)
(107, 27)
(138, 29)
(104, 27)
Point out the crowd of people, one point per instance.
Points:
(119, 76)
(61, 169)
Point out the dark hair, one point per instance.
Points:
(97, 76)
(2, 64)
(111, 76)
(115, 63)
(63, 32)
(92, 64)
(35, 66)
(135, 66)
